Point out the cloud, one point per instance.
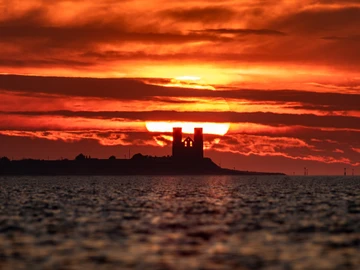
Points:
(52, 122)
(208, 14)
(84, 87)
(34, 28)
(242, 32)
(264, 118)
(294, 143)
(247, 125)
(135, 89)
(290, 148)
(339, 38)
(353, 87)
(106, 138)
(242, 144)
(6, 61)
(320, 20)
(96, 37)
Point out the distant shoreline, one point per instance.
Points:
(137, 165)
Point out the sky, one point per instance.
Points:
(275, 84)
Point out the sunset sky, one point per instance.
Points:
(280, 78)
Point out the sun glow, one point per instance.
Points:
(188, 78)
(189, 82)
(188, 127)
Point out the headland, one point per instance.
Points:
(137, 165)
(187, 158)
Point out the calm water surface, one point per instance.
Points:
(181, 222)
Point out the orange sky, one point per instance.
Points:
(284, 74)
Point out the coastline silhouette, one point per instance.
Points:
(187, 158)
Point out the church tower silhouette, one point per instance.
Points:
(189, 148)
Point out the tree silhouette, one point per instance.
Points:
(4, 160)
(80, 157)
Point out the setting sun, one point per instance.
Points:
(188, 127)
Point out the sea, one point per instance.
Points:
(180, 222)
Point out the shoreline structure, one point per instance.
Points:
(187, 158)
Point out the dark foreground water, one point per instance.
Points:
(182, 222)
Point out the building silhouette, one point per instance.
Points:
(188, 148)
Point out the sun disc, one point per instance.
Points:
(188, 127)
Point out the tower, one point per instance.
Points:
(198, 143)
(189, 148)
(177, 142)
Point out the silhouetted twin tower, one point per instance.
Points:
(189, 148)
